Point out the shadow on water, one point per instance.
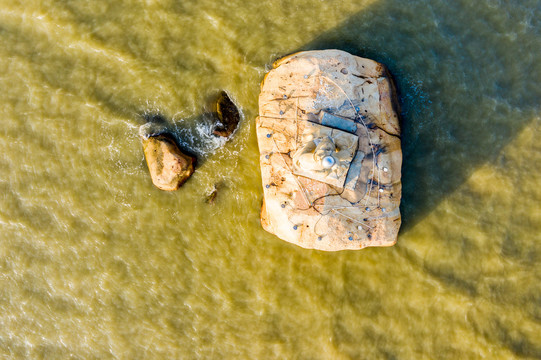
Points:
(466, 83)
(192, 135)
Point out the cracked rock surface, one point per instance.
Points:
(329, 140)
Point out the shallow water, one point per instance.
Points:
(96, 263)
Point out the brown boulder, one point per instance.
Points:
(169, 168)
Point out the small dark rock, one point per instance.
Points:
(228, 116)
(211, 195)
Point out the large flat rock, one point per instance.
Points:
(329, 139)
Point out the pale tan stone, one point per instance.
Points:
(169, 168)
(357, 208)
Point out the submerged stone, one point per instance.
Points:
(212, 193)
(228, 116)
(168, 166)
(329, 140)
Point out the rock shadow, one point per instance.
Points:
(465, 91)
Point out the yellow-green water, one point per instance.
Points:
(96, 263)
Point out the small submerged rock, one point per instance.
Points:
(210, 197)
(168, 166)
(212, 193)
(228, 116)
